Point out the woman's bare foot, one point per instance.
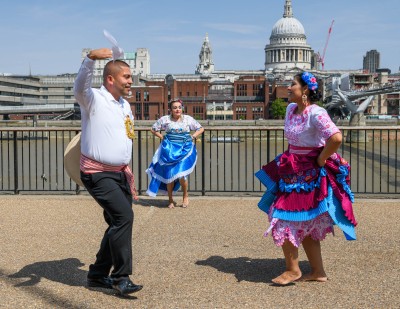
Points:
(171, 205)
(185, 202)
(314, 277)
(287, 277)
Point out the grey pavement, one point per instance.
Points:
(210, 255)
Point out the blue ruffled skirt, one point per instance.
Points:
(175, 158)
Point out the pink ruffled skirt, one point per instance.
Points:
(296, 231)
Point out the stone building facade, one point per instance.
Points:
(139, 62)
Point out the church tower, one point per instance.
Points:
(288, 47)
(206, 64)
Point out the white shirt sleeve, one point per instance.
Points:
(83, 84)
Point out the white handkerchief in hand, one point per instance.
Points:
(117, 51)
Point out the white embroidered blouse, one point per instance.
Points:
(310, 129)
(186, 124)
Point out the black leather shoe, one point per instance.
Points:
(104, 282)
(126, 286)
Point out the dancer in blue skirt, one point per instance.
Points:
(176, 157)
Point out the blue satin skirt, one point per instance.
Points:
(175, 158)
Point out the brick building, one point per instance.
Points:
(208, 93)
(247, 97)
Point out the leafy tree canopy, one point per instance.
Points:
(278, 108)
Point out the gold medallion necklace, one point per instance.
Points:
(129, 127)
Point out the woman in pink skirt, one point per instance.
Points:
(308, 188)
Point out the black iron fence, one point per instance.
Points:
(31, 159)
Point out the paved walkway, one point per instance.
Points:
(210, 255)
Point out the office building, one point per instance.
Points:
(371, 61)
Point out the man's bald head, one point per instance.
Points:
(113, 67)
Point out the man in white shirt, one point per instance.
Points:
(106, 149)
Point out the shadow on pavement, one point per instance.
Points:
(152, 202)
(252, 270)
(64, 271)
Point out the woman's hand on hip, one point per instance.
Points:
(321, 162)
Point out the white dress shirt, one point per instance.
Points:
(104, 137)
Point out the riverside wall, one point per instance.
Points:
(205, 123)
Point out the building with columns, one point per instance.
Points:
(287, 48)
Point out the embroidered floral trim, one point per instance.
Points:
(300, 182)
(325, 125)
(295, 232)
(186, 124)
(129, 127)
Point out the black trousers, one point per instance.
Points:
(112, 192)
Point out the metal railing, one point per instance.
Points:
(31, 159)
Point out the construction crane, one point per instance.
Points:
(321, 58)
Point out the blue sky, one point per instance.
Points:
(47, 36)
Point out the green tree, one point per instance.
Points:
(278, 108)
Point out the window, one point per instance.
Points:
(198, 109)
(146, 96)
(241, 112)
(241, 90)
(257, 89)
(198, 112)
(240, 109)
(138, 108)
(258, 112)
(146, 108)
(138, 96)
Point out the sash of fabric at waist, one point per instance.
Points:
(90, 166)
(175, 147)
(294, 160)
(178, 137)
